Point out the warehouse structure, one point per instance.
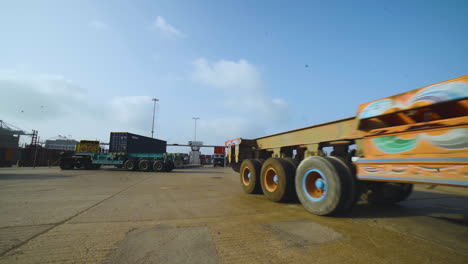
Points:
(61, 143)
(9, 139)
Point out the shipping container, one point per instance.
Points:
(30, 156)
(220, 150)
(124, 142)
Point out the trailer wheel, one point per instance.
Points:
(66, 164)
(158, 166)
(293, 162)
(277, 180)
(87, 165)
(347, 172)
(236, 166)
(130, 165)
(250, 176)
(144, 165)
(321, 185)
(96, 166)
(387, 193)
(169, 165)
(261, 161)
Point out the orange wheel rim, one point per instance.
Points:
(314, 185)
(271, 179)
(246, 176)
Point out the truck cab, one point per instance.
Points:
(218, 160)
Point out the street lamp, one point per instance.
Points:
(154, 110)
(195, 118)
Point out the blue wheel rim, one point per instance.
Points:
(312, 182)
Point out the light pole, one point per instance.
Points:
(195, 118)
(154, 110)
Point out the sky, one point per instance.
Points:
(246, 68)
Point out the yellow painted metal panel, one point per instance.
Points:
(345, 129)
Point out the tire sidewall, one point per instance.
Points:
(330, 202)
(348, 185)
(162, 166)
(127, 165)
(281, 167)
(254, 167)
(148, 166)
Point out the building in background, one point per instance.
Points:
(9, 139)
(61, 143)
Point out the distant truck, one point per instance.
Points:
(420, 136)
(127, 150)
(219, 160)
(219, 156)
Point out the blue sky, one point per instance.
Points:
(246, 68)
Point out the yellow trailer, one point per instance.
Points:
(420, 136)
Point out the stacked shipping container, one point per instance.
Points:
(124, 142)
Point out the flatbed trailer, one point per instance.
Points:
(130, 161)
(420, 136)
(88, 155)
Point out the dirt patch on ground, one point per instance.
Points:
(166, 244)
(302, 233)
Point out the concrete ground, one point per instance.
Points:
(202, 216)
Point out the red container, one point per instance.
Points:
(220, 150)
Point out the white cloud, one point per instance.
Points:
(166, 28)
(55, 105)
(38, 96)
(245, 95)
(131, 111)
(99, 25)
(227, 75)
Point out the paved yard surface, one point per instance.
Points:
(202, 216)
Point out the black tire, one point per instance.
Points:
(96, 166)
(277, 180)
(347, 172)
(320, 185)
(261, 161)
(130, 165)
(144, 165)
(250, 176)
(387, 193)
(236, 166)
(293, 162)
(158, 166)
(67, 164)
(87, 165)
(169, 165)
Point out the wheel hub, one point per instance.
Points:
(315, 185)
(246, 176)
(271, 180)
(319, 184)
